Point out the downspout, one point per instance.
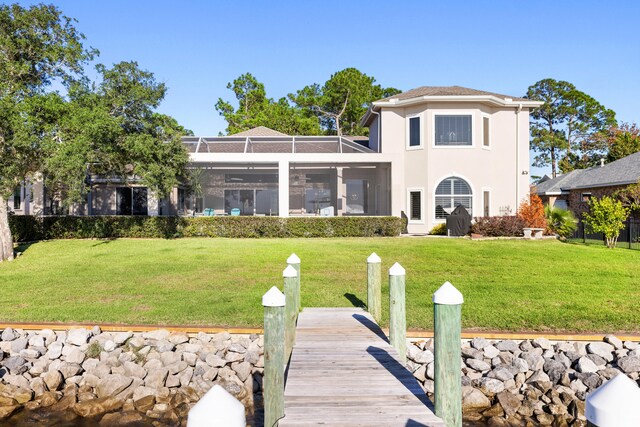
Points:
(518, 154)
(379, 129)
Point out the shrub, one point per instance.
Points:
(606, 216)
(498, 226)
(25, 228)
(439, 230)
(560, 221)
(532, 212)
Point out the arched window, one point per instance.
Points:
(452, 192)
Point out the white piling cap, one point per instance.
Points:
(217, 408)
(273, 298)
(293, 259)
(447, 294)
(373, 258)
(290, 272)
(397, 270)
(614, 404)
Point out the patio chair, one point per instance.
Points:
(209, 212)
(235, 212)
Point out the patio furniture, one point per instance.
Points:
(328, 211)
(235, 212)
(209, 212)
(537, 232)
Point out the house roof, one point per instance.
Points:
(260, 131)
(447, 91)
(447, 94)
(621, 172)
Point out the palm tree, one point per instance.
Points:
(560, 221)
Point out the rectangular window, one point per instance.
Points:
(586, 197)
(357, 194)
(17, 199)
(414, 132)
(131, 201)
(415, 206)
(486, 200)
(485, 132)
(453, 130)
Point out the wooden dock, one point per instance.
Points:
(344, 372)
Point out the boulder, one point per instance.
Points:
(53, 380)
(99, 406)
(112, 384)
(78, 337)
(509, 402)
(629, 364)
(473, 400)
(601, 349)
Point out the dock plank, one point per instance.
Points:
(344, 372)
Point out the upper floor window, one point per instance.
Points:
(453, 130)
(486, 141)
(450, 193)
(17, 198)
(414, 139)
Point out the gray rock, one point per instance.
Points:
(19, 345)
(422, 357)
(614, 341)
(121, 337)
(210, 374)
(169, 358)
(591, 380)
(601, 349)
(186, 376)
(159, 334)
(156, 378)
(78, 337)
(629, 364)
(109, 345)
(478, 365)
(507, 345)
(16, 380)
(37, 341)
(503, 373)
(69, 370)
(488, 386)
(234, 357)
(134, 370)
(29, 353)
(543, 343)
(490, 352)
(631, 345)
(164, 346)
(203, 337)
(597, 360)
(75, 356)
(172, 381)
(143, 391)
(243, 370)
(534, 360)
(178, 338)
(470, 352)
(16, 365)
(112, 384)
(479, 343)
(54, 351)
(8, 335)
(554, 370)
(253, 357)
(586, 365)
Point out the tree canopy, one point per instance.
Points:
(342, 100)
(109, 127)
(562, 128)
(617, 141)
(255, 109)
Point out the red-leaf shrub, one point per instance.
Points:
(532, 212)
(498, 226)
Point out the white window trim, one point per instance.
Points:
(408, 132)
(422, 211)
(487, 116)
(488, 190)
(474, 196)
(452, 112)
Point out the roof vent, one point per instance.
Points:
(602, 162)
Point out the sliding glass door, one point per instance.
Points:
(253, 201)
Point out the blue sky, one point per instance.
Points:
(197, 47)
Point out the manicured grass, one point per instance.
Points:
(508, 285)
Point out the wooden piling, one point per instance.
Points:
(374, 287)
(273, 380)
(294, 261)
(447, 330)
(290, 311)
(397, 311)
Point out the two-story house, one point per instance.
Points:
(429, 150)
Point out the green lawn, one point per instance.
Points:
(508, 285)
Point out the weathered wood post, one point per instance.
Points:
(290, 313)
(447, 313)
(397, 311)
(374, 287)
(294, 261)
(273, 388)
(614, 403)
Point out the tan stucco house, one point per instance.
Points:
(429, 150)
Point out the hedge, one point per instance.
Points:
(498, 226)
(29, 228)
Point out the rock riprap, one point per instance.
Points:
(120, 378)
(530, 382)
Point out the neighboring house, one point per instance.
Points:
(430, 149)
(574, 189)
